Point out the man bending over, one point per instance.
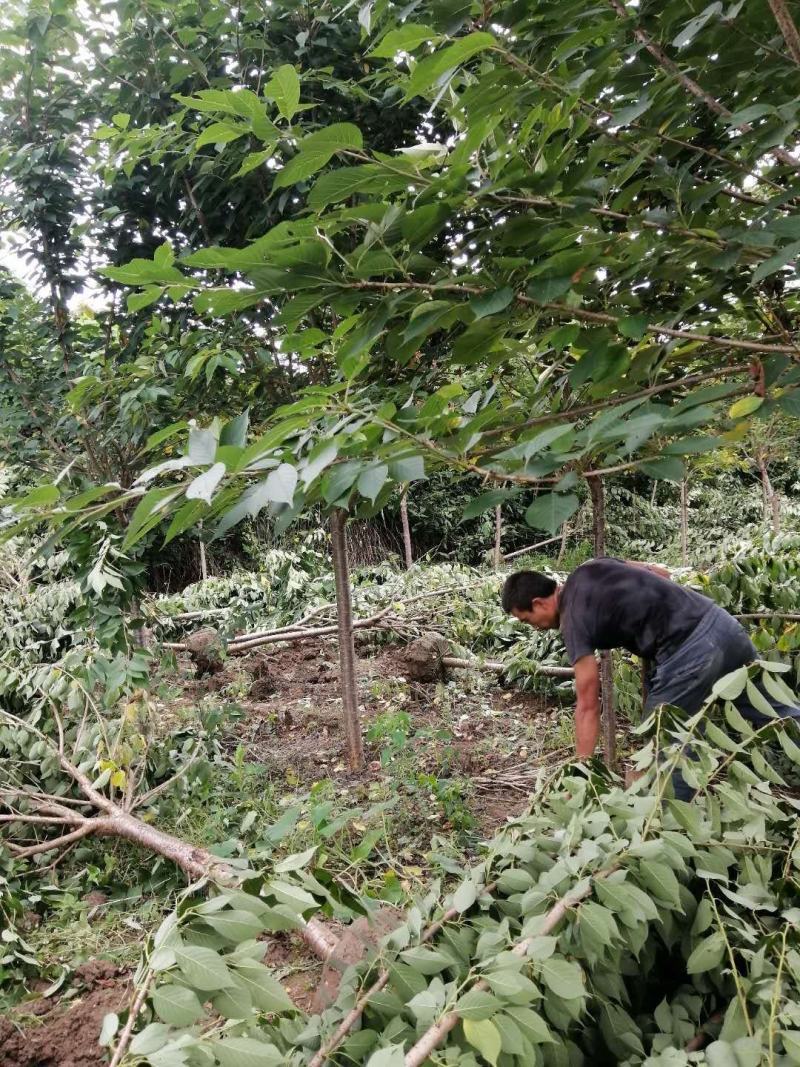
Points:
(687, 640)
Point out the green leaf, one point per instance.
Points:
(708, 955)
(746, 406)
(465, 896)
(247, 1052)
(266, 991)
(281, 483)
(235, 925)
(151, 1039)
(221, 133)
(668, 468)
(491, 303)
(484, 502)
(284, 88)
(429, 70)
(148, 296)
(786, 255)
(339, 479)
(721, 1054)
(372, 480)
(510, 985)
(108, 1030)
(42, 496)
(177, 1005)
(730, 686)
(393, 1056)
(633, 326)
(661, 881)
(202, 488)
(477, 1004)
(551, 510)
(316, 150)
(404, 39)
(203, 968)
(483, 1035)
(563, 978)
(234, 432)
(407, 469)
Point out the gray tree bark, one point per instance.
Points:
(351, 724)
(408, 551)
(498, 537)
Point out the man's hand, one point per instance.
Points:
(587, 708)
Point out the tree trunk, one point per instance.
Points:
(772, 503)
(203, 561)
(408, 553)
(498, 537)
(684, 522)
(787, 28)
(563, 547)
(351, 725)
(606, 668)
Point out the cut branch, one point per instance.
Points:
(433, 1037)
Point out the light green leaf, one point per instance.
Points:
(429, 70)
(108, 1029)
(220, 133)
(280, 484)
(465, 896)
(483, 1035)
(202, 488)
(404, 39)
(177, 1005)
(266, 991)
(563, 978)
(730, 686)
(247, 1052)
(284, 88)
(708, 955)
(316, 150)
(235, 925)
(372, 480)
(746, 406)
(203, 968)
(477, 1004)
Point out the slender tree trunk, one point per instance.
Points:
(203, 560)
(684, 523)
(653, 495)
(563, 547)
(498, 537)
(772, 503)
(351, 724)
(606, 667)
(408, 552)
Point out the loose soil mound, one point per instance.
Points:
(66, 1031)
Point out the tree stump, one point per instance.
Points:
(207, 651)
(422, 659)
(357, 940)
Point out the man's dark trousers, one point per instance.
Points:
(717, 646)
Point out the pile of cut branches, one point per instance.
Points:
(606, 925)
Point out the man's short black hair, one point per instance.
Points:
(523, 587)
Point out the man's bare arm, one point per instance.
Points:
(587, 707)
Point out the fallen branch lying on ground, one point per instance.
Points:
(98, 815)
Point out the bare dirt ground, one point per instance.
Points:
(65, 1029)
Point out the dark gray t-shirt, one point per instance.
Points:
(607, 603)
